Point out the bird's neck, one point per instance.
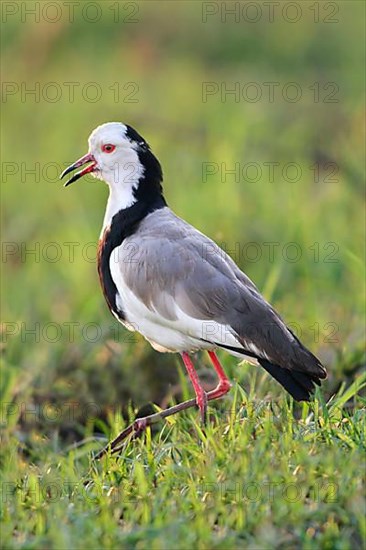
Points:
(120, 198)
(143, 194)
(125, 210)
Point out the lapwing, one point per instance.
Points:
(165, 279)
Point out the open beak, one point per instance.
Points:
(86, 158)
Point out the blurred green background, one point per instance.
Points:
(148, 64)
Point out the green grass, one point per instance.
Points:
(255, 478)
(72, 377)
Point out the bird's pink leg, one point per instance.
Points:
(201, 395)
(140, 424)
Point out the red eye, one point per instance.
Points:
(108, 148)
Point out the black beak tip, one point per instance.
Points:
(66, 171)
(72, 179)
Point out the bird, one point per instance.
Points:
(162, 277)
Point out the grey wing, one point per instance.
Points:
(174, 264)
(177, 268)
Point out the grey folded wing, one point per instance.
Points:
(171, 266)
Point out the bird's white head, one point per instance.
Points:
(122, 158)
(115, 154)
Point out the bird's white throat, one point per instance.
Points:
(122, 179)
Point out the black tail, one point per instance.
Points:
(304, 371)
(300, 385)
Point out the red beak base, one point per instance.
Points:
(83, 160)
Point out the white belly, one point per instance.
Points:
(183, 334)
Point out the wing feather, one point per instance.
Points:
(177, 268)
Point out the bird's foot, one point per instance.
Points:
(222, 388)
(201, 399)
(139, 426)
